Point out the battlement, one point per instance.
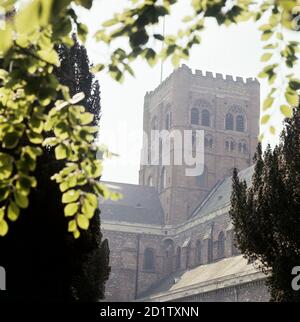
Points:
(207, 75)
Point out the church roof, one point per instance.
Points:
(139, 204)
(219, 197)
(205, 278)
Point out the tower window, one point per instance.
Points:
(240, 123)
(243, 148)
(205, 118)
(208, 142)
(229, 122)
(149, 259)
(168, 121)
(194, 116)
(232, 146)
(240, 147)
(227, 145)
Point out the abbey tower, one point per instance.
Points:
(226, 109)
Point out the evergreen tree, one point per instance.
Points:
(42, 260)
(266, 215)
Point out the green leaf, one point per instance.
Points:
(72, 226)
(3, 228)
(97, 68)
(266, 35)
(83, 222)
(77, 98)
(6, 37)
(268, 103)
(61, 152)
(11, 140)
(292, 98)
(2, 213)
(70, 196)
(76, 234)
(6, 166)
(88, 209)
(13, 211)
(50, 56)
(265, 119)
(92, 199)
(71, 209)
(86, 118)
(272, 130)
(286, 110)
(265, 57)
(35, 138)
(21, 200)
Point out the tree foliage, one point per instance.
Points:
(266, 214)
(30, 121)
(48, 263)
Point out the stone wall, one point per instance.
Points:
(255, 291)
(127, 251)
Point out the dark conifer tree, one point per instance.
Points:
(266, 216)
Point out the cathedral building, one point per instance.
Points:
(170, 236)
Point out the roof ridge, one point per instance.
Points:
(206, 199)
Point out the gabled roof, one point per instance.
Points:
(139, 204)
(205, 278)
(220, 195)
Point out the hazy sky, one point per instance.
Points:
(235, 50)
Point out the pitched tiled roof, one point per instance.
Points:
(203, 278)
(220, 196)
(139, 204)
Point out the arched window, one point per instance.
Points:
(178, 258)
(229, 122)
(240, 147)
(209, 251)
(169, 255)
(194, 116)
(221, 245)
(240, 123)
(205, 118)
(227, 145)
(243, 147)
(198, 252)
(208, 142)
(150, 181)
(163, 179)
(168, 121)
(232, 146)
(148, 259)
(202, 178)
